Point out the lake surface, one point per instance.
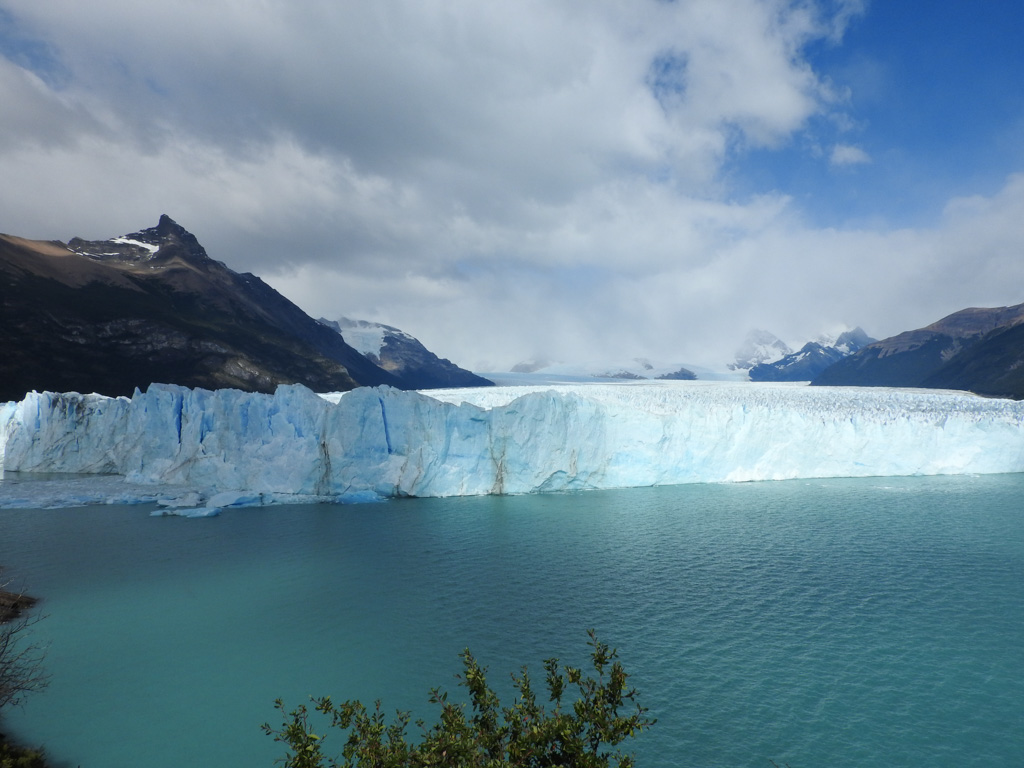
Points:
(816, 623)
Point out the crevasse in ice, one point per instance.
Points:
(508, 440)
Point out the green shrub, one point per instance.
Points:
(20, 757)
(583, 731)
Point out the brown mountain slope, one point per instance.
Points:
(110, 316)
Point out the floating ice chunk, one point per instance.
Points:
(235, 499)
(190, 499)
(189, 512)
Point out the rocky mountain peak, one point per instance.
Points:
(849, 342)
(155, 245)
(168, 232)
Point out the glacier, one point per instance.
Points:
(197, 451)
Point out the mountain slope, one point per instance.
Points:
(403, 355)
(993, 366)
(977, 349)
(110, 316)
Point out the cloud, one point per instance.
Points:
(494, 111)
(504, 180)
(35, 116)
(549, 95)
(847, 154)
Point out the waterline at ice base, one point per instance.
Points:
(227, 447)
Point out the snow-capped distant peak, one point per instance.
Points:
(759, 347)
(812, 359)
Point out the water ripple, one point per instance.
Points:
(838, 623)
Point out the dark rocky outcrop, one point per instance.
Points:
(682, 374)
(12, 604)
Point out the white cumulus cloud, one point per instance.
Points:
(847, 154)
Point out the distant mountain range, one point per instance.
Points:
(980, 350)
(112, 315)
(109, 316)
(812, 359)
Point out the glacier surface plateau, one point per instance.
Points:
(225, 447)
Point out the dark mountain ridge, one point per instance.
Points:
(977, 349)
(109, 316)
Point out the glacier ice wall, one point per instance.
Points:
(509, 440)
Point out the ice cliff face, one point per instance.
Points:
(509, 440)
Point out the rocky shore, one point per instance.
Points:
(13, 603)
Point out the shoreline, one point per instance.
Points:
(12, 604)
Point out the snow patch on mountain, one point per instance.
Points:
(152, 248)
(365, 337)
(367, 340)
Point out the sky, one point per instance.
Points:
(541, 179)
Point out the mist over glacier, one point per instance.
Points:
(382, 442)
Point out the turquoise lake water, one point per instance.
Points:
(867, 622)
